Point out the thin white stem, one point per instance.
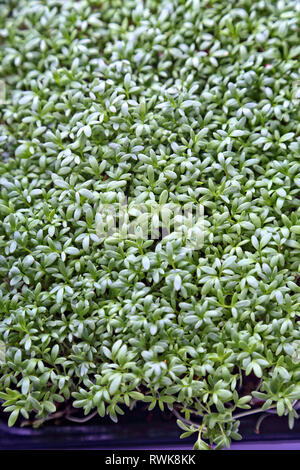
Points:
(81, 420)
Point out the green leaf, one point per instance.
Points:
(13, 417)
(115, 384)
(295, 229)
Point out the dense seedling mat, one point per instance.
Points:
(174, 101)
